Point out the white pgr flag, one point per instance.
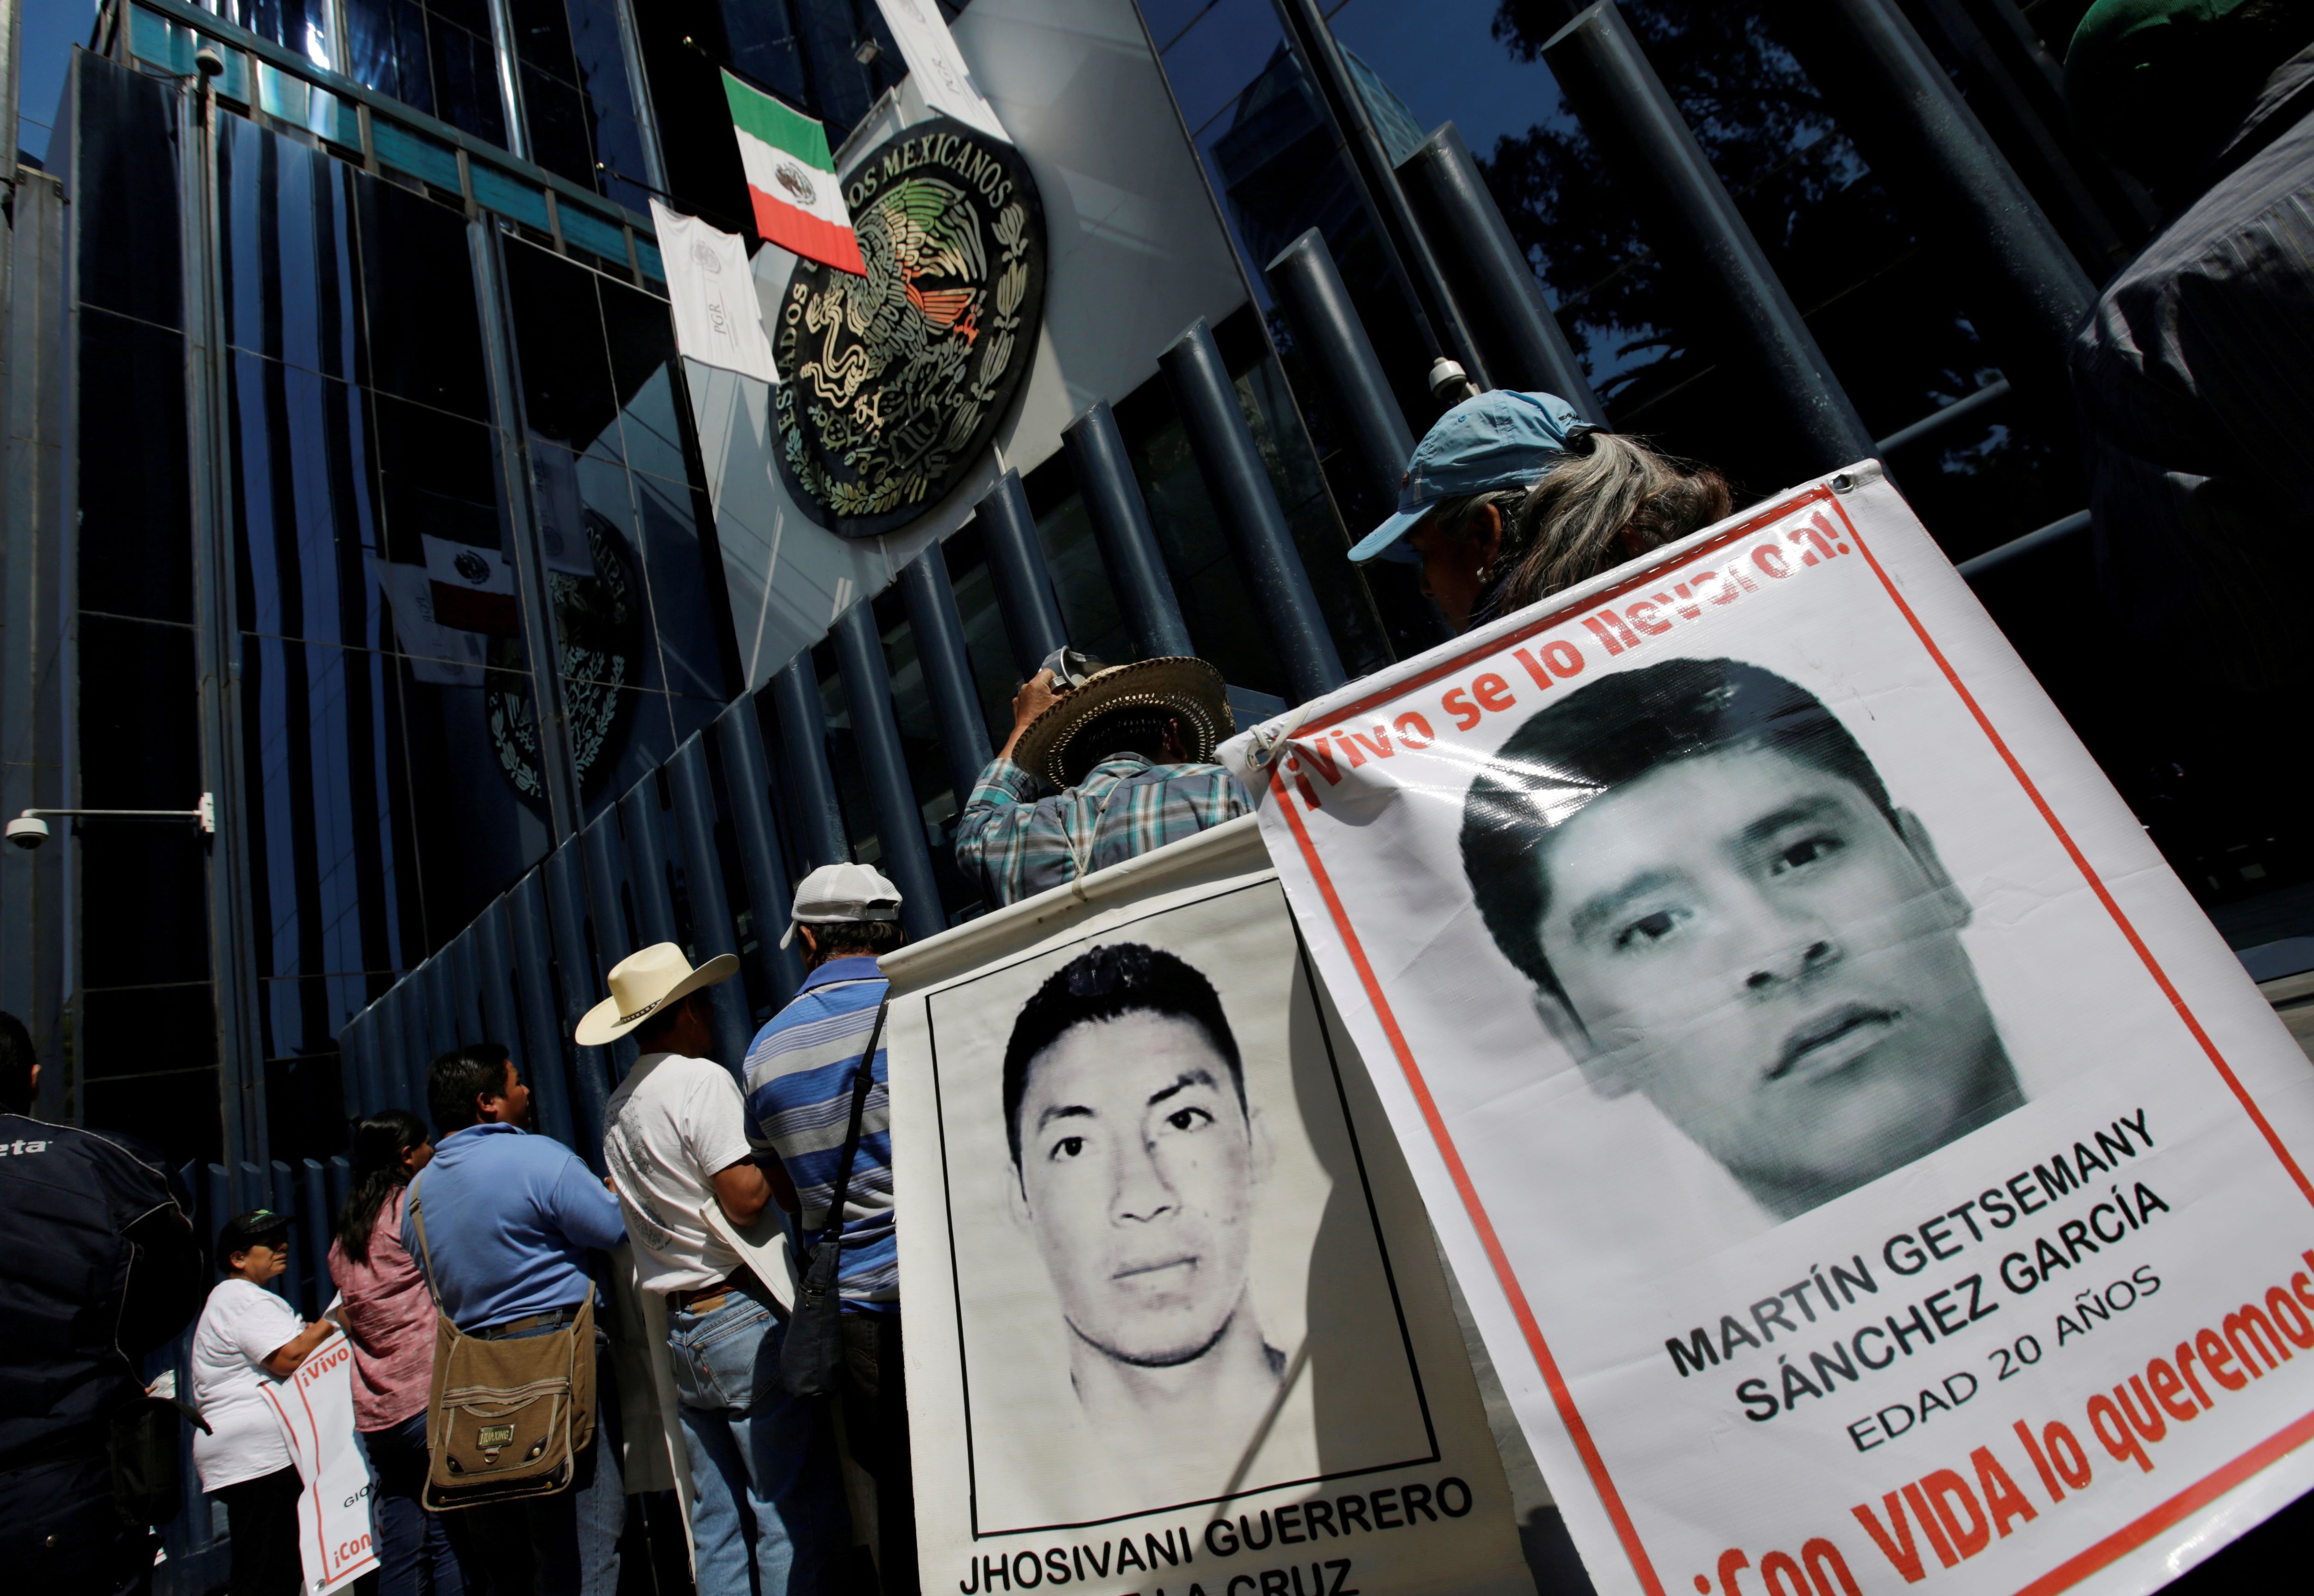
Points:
(938, 66)
(717, 320)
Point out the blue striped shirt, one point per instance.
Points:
(799, 1073)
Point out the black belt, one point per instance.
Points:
(553, 1318)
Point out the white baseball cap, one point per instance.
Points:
(843, 895)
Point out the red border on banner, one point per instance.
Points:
(2113, 1546)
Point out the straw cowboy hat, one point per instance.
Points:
(643, 983)
(1187, 689)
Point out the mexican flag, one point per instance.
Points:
(792, 179)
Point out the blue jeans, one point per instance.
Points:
(566, 1544)
(419, 1553)
(760, 1459)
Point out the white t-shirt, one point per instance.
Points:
(241, 1327)
(673, 1123)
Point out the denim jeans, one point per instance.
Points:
(419, 1553)
(763, 1463)
(566, 1544)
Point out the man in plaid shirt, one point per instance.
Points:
(1102, 764)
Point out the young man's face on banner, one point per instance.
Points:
(1747, 940)
(1139, 1171)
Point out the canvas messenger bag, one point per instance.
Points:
(506, 1418)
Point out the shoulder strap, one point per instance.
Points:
(425, 1253)
(862, 1081)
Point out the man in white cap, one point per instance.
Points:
(800, 1070)
(675, 1139)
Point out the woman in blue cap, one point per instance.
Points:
(1510, 498)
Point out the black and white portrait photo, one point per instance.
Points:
(1722, 908)
(1172, 1284)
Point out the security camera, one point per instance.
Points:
(27, 833)
(209, 61)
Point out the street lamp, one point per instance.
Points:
(29, 831)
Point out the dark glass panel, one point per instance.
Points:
(466, 79)
(1089, 608)
(566, 388)
(619, 146)
(844, 759)
(136, 512)
(477, 811)
(148, 1069)
(642, 349)
(302, 512)
(305, 1113)
(386, 49)
(762, 43)
(938, 802)
(687, 608)
(557, 117)
(438, 476)
(994, 674)
(418, 288)
(143, 884)
(287, 267)
(125, 198)
(541, 37)
(316, 800)
(618, 736)
(1223, 619)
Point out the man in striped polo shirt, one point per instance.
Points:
(800, 1070)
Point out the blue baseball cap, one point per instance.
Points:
(1502, 439)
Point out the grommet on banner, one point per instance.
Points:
(1843, 483)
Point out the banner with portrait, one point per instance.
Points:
(1176, 1320)
(1866, 1165)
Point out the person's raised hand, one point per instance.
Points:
(1036, 695)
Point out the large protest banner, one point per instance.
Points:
(1866, 1165)
(1175, 1318)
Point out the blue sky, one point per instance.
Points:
(51, 28)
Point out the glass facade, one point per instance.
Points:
(475, 592)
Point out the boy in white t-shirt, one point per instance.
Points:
(247, 1339)
(675, 1139)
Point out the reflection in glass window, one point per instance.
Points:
(576, 100)
(305, 26)
(434, 55)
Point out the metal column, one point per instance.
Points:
(405, 1014)
(531, 950)
(899, 823)
(947, 665)
(1927, 145)
(359, 1093)
(712, 930)
(647, 886)
(1405, 249)
(217, 639)
(558, 773)
(440, 991)
(1024, 588)
(1242, 492)
(565, 874)
(814, 809)
(1326, 327)
(494, 972)
(1522, 339)
(609, 894)
(762, 864)
(1120, 527)
(1627, 111)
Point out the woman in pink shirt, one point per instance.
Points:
(390, 1319)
